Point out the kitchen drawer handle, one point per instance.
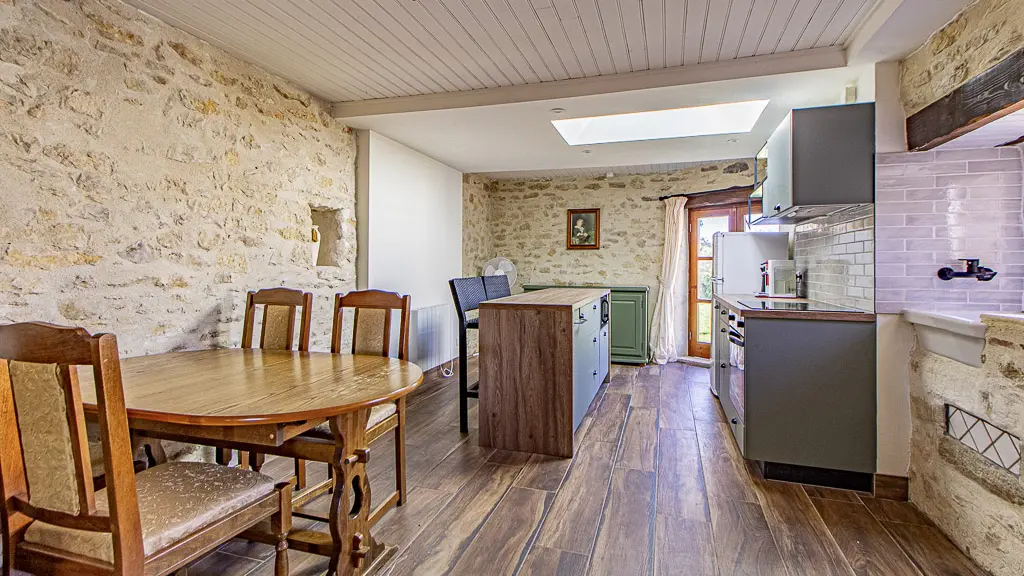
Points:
(736, 341)
(724, 365)
(595, 339)
(778, 207)
(735, 421)
(724, 330)
(595, 372)
(725, 311)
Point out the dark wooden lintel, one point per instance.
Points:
(997, 92)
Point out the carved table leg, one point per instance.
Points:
(355, 550)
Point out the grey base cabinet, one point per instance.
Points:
(806, 394)
(628, 340)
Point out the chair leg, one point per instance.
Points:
(224, 456)
(463, 383)
(300, 473)
(400, 452)
(243, 459)
(330, 476)
(256, 460)
(281, 525)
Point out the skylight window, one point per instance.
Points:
(732, 118)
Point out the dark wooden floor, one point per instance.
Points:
(657, 487)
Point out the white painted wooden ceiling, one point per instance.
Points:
(349, 50)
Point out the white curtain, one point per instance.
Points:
(668, 333)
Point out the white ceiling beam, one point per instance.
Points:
(768, 65)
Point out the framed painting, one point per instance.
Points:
(583, 229)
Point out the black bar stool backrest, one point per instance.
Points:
(468, 293)
(496, 286)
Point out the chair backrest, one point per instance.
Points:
(496, 286)
(279, 304)
(467, 293)
(45, 473)
(371, 326)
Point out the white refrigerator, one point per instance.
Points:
(737, 258)
(736, 269)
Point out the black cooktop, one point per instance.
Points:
(795, 306)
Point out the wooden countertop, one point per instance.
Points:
(549, 297)
(731, 301)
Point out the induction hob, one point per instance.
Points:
(795, 306)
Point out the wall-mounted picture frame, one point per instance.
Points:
(583, 229)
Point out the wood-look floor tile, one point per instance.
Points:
(543, 561)
(896, 511)
(674, 401)
(705, 406)
(608, 419)
(680, 478)
(725, 472)
(452, 473)
(222, 564)
(572, 521)
(501, 542)
(580, 436)
(931, 551)
(509, 458)
(744, 545)
(646, 394)
(402, 524)
(622, 382)
(803, 539)
(864, 542)
(683, 545)
(299, 564)
(640, 440)
(543, 472)
(834, 494)
(624, 540)
(444, 539)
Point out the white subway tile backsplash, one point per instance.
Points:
(1007, 165)
(969, 154)
(936, 168)
(977, 214)
(836, 254)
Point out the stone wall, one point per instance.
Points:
(477, 247)
(977, 39)
(977, 503)
(527, 223)
(150, 179)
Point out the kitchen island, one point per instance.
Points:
(543, 355)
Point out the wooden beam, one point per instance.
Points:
(997, 92)
(767, 65)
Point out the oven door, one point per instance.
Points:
(733, 393)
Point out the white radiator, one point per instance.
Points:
(433, 336)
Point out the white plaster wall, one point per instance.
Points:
(414, 226)
(895, 338)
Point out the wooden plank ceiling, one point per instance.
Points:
(349, 50)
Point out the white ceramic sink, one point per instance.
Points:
(959, 335)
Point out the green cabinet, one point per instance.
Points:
(629, 321)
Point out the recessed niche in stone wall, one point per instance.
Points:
(329, 224)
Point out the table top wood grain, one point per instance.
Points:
(234, 387)
(549, 297)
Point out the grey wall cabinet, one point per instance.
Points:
(820, 160)
(627, 342)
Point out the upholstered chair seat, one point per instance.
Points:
(378, 414)
(175, 499)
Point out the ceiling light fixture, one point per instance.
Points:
(557, 110)
(731, 118)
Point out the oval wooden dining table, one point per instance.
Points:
(261, 401)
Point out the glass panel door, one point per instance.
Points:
(704, 223)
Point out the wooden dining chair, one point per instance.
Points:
(277, 332)
(153, 523)
(371, 335)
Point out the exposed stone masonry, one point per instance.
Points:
(527, 223)
(977, 39)
(976, 502)
(150, 179)
(477, 247)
